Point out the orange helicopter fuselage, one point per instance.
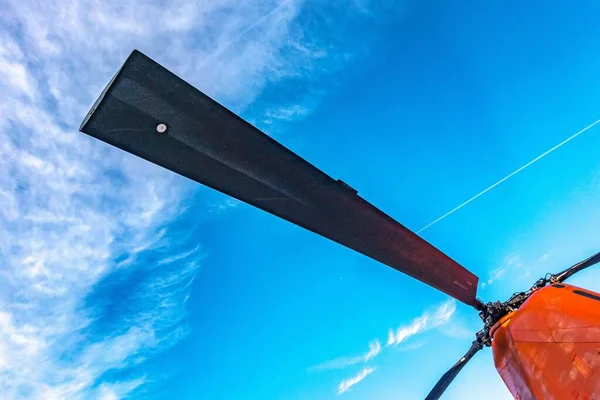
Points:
(549, 349)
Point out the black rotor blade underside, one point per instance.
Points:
(209, 144)
(566, 274)
(449, 376)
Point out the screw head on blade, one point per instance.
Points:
(161, 128)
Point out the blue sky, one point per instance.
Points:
(121, 280)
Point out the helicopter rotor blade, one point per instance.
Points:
(149, 112)
(566, 274)
(449, 376)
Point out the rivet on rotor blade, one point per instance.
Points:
(161, 128)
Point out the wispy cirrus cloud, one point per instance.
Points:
(343, 362)
(346, 384)
(412, 346)
(94, 273)
(286, 113)
(428, 320)
(511, 263)
(435, 318)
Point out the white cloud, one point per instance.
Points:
(374, 350)
(180, 256)
(510, 264)
(286, 113)
(14, 72)
(345, 385)
(118, 390)
(77, 216)
(435, 318)
(343, 362)
(411, 346)
(428, 320)
(276, 119)
(223, 205)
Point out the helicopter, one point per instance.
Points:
(545, 340)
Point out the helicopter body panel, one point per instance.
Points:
(549, 349)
